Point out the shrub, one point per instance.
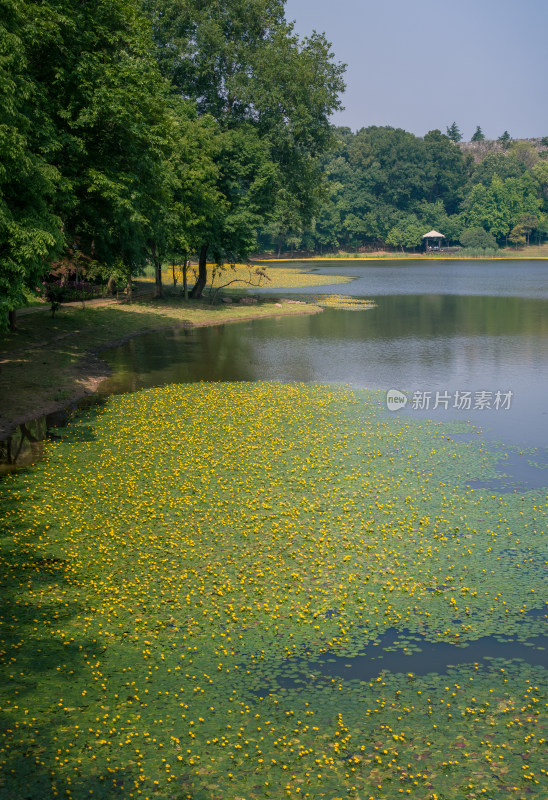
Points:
(478, 237)
(56, 293)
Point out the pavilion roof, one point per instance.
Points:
(433, 235)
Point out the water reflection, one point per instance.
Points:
(26, 443)
(412, 343)
(404, 651)
(519, 278)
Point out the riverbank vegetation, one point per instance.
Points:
(387, 187)
(133, 131)
(183, 615)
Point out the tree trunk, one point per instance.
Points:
(158, 288)
(173, 275)
(12, 316)
(199, 286)
(128, 286)
(111, 285)
(185, 280)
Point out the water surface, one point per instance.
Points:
(432, 344)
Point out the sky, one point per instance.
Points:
(423, 64)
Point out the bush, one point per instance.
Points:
(478, 238)
(55, 293)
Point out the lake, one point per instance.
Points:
(439, 327)
(243, 582)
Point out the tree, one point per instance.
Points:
(407, 233)
(478, 135)
(186, 197)
(286, 219)
(445, 171)
(98, 86)
(505, 139)
(503, 165)
(497, 207)
(30, 230)
(453, 132)
(542, 229)
(517, 235)
(271, 96)
(540, 176)
(484, 208)
(478, 238)
(527, 222)
(526, 153)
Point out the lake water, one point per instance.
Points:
(439, 328)
(464, 341)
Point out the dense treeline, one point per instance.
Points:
(134, 130)
(387, 187)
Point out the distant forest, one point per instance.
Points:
(385, 187)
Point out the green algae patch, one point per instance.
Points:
(345, 302)
(182, 553)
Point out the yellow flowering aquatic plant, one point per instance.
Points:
(189, 570)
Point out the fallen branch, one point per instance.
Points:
(254, 272)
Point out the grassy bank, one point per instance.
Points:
(48, 363)
(288, 278)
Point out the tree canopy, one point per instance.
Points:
(133, 130)
(271, 96)
(387, 187)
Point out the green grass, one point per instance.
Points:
(182, 554)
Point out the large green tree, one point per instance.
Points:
(498, 207)
(99, 153)
(445, 170)
(30, 230)
(101, 87)
(478, 135)
(271, 95)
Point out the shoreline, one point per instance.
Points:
(85, 373)
(404, 257)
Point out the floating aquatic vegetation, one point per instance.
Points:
(182, 551)
(344, 302)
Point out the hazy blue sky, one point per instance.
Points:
(420, 64)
